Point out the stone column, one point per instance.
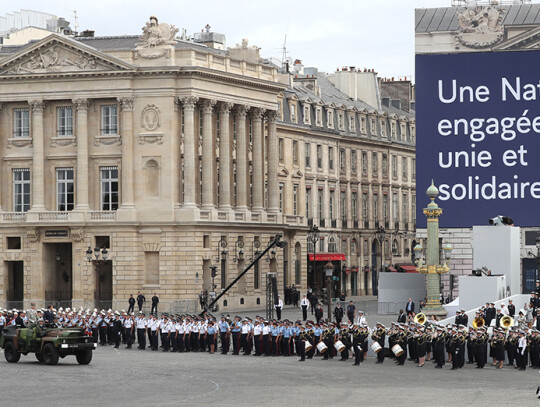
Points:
(258, 160)
(208, 163)
(241, 158)
(273, 193)
(38, 171)
(224, 157)
(126, 128)
(189, 152)
(81, 105)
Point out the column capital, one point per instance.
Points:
(189, 102)
(37, 106)
(207, 105)
(81, 104)
(223, 107)
(257, 113)
(126, 103)
(241, 110)
(271, 116)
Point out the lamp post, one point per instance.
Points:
(432, 266)
(380, 233)
(329, 269)
(101, 255)
(313, 237)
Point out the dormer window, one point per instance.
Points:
(352, 123)
(330, 118)
(292, 108)
(307, 118)
(341, 125)
(318, 116)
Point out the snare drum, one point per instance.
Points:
(398, 350)
(321, 347)
(375, 347)
(339, 346)
(308, 346)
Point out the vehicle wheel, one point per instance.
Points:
(50, 354)
(11, 354)
(84, 357)
(39, 356)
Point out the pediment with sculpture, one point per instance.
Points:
(480, 26)
(54, 54)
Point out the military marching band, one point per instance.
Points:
(419, 340)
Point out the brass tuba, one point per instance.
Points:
(507, 321)
(478, 322)
(420, 318)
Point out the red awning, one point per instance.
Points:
(392, 269)
(409, 269)
(327, 256)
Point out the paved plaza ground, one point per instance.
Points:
(145, 378)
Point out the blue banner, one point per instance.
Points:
(478, 134)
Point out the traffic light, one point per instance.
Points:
(214, 271)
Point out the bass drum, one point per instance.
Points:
(308, 346)
(339, 346)
(375, 347)
(321, 347)
(398, 350)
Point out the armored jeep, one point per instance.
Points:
(47, 343)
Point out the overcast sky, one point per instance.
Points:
(326, 34)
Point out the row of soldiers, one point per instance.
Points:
(188, 333)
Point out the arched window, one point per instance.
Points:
(332, 246)
(395, 247)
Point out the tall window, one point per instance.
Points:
(413, 168)
(394, 166)
(413, 208)
(109, 188)
(341, 124)
(385, 165)
(64, 189)
(21, 189)
(375, 207)
(404, 167)
(307, 152)
(342, 159)
(319, 156)
(331, 158)
(292, 107)
(395, 207)
(331, 204)
(109, 119)
(21, 122)
(320, 204)
(374, 163)
(295, 152)
(365, 207)
(295, 199)
(343, 205)
(281, 189)
(280, 150)
(353, 161)
(64, 121)
(364, 163)
(385, 208)
(318, 116)
(308, 203)
(354, 205)
(405, 208)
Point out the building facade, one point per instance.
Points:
(166, 156)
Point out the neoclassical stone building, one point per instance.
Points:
(170, 156)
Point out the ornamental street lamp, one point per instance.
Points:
(432, 266)
(313, 237)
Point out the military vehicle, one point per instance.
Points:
(47, 343)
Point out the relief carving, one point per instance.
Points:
(32, 235)
(480, 27)
(77, 234)
(150, 118)
(55, 59)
